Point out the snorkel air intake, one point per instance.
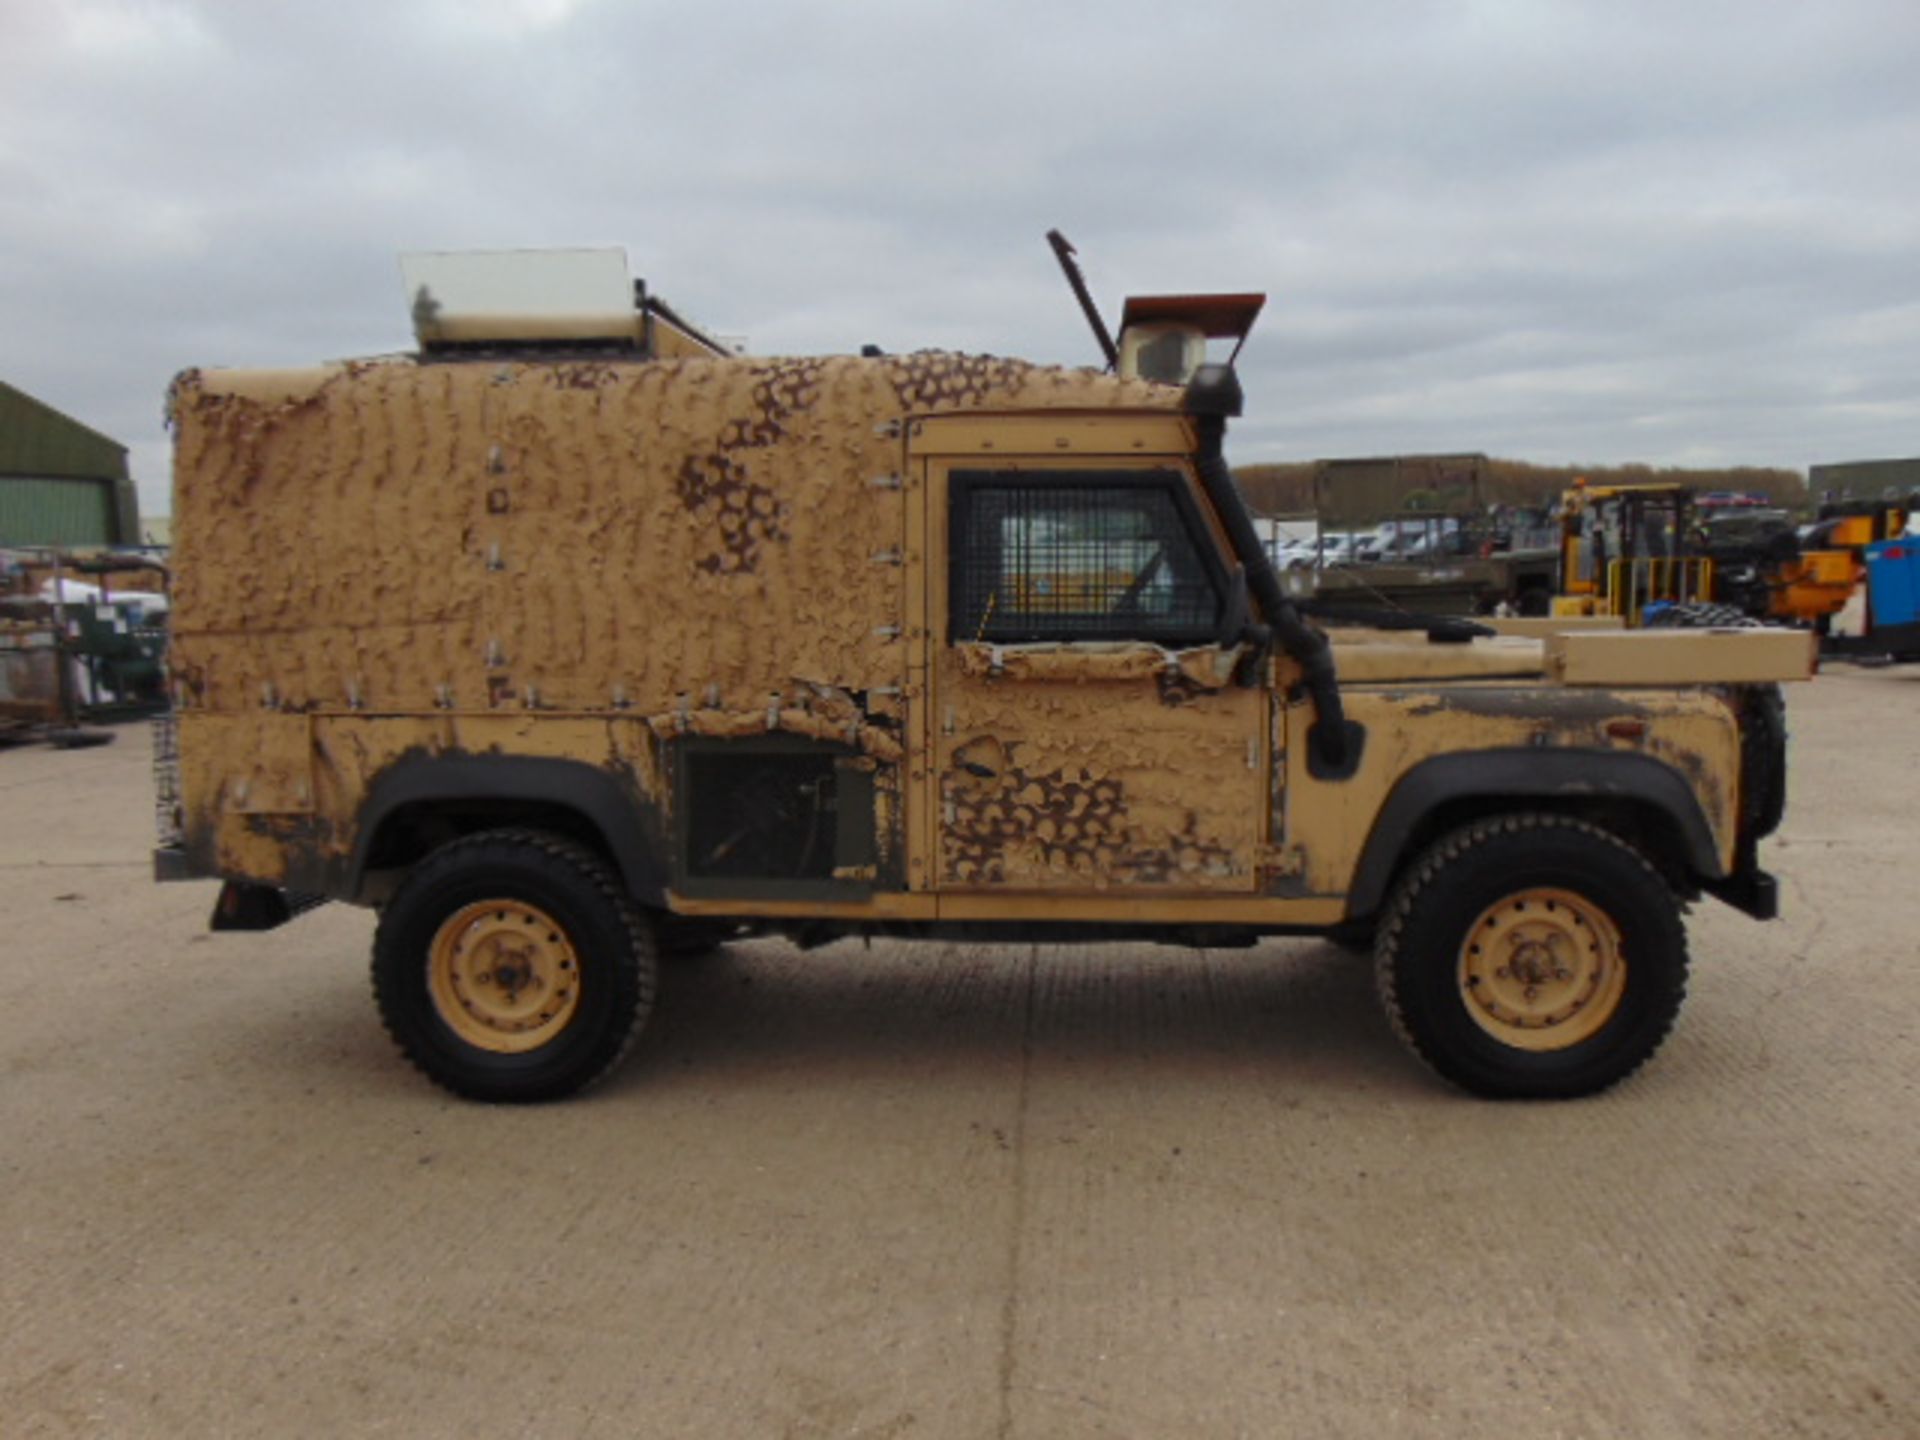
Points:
(1213, 395)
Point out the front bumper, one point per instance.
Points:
(1749, 889)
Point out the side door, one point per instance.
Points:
(1088, 727)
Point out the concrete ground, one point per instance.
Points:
(956, 1191)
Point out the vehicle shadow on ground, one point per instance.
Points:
(1292, 1013)
(1299, 1009)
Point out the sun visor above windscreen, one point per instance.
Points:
(1164, 337)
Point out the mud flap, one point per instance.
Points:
(246, 906)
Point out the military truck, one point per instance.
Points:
(1437, 546)
(567, 653)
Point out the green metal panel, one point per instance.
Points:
(1348, 494)
(56, 512)
(37, 440)
(1865, 480)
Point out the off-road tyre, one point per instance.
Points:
(1763, 767)
(1701, 616)
(597, 934)
(1438, 909)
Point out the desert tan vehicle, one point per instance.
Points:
(568, 656)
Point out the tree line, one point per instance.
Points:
(1286, 488)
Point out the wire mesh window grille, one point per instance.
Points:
(1079, 556)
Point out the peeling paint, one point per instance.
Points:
(392, 550)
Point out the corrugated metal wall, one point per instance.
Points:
(56, 512)
(61, 483)
(1864, 479)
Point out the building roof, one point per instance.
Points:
(37, 440)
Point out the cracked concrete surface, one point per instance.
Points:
(955, 1190)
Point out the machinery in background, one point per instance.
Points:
(1642, 552)
(1420, 534)
(1874, 535)
(82, 638)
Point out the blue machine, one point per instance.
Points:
(1893, 605)
(1893, 582)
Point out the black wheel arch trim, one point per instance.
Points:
(606, 801)
(1524, 774)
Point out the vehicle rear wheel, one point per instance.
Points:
(1532, 955)
(510, 966)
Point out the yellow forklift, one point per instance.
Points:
(1626, 547)
(1649, 554)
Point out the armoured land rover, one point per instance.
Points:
(568, 644)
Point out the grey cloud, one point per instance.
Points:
(1666, 232)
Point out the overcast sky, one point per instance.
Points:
(1673, 232)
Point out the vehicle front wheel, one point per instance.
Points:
(1532, 956)
(511, 966)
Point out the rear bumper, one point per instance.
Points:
(170, 863)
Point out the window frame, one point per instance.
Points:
(964, 483)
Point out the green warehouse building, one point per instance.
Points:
(60, 482)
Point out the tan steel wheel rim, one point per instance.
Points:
(1542, 969)
(503, 976)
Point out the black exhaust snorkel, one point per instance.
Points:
(1333, 745)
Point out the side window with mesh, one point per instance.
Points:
(1080, 555)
